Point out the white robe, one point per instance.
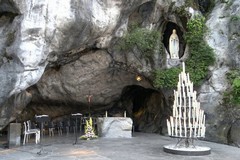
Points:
(174, 45)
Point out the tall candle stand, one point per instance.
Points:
(187, 122)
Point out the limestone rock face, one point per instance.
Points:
(39, 33)
(223, 39)
(87, 75)
(13, 107)
(234, 134)
(43, 28)
(54, 53)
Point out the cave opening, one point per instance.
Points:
(167, 33)
(146, 106)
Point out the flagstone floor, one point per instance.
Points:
(142, 146)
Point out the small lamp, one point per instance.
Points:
(138, 78)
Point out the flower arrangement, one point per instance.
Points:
(89, 131)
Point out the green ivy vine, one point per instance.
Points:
(166, 78)
(230, 106)
(232, 95)
(143, 39)
(201, 54)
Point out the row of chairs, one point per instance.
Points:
(31, 129)
(61, 126)
(68, 126)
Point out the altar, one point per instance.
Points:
(114, 127)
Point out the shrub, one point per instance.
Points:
(145, 40)
(168, 77)
(232, 96)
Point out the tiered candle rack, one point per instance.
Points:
(187, 122)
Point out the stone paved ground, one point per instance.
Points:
(141, 147)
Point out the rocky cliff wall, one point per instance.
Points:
(224, 39)
(41, 33)
(54, 53)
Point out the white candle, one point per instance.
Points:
(199, 124)
(106, 114)
(200, 117)
(189, 117)
(177, 114)
(176, 123)
(185, 108)
(195, 129)
(197, 113)
(182, 78)
(179, 86)
(187, 90)
(180, 111)
(180, 97)
(184, 123)
(183, 91)
(169, 127)
(174, 104)
(125, 114)
(203, 130)
(194, 95)
(190, 135)
(176, 95)
(194, 110)
(189, 102)
(179, 77)
(172, 125)
(199, 131)
(180, 127)
(191, 89)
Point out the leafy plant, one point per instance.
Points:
(235, 18)
(201, 54)
(232, 96)
(236, 90)
(196, 28)
(181, 11)
(168, 77)
(238, 47)
(143, 39)
(230, 107)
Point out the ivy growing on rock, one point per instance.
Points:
(230, 106)
(200, 58)
(201, 54)
(167, 78)
(232, 96)
(143, 39)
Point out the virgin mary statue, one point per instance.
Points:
(174, 45)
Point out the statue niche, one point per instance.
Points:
(174, 45)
